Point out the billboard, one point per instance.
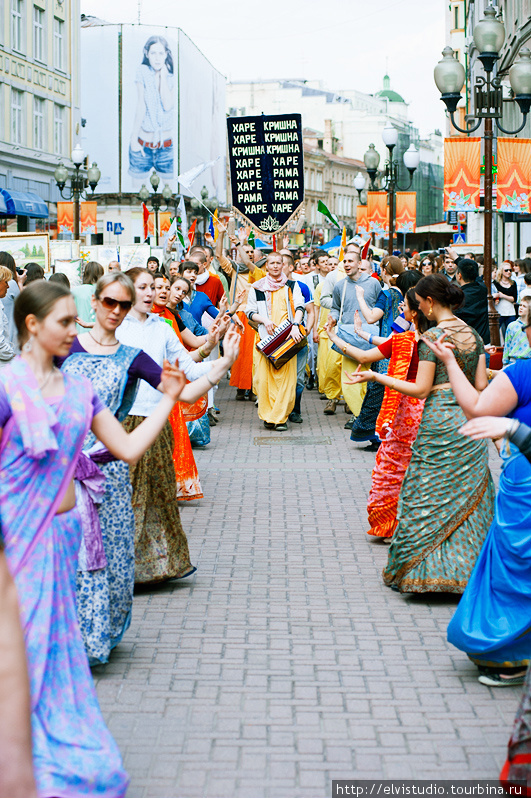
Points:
(151, 100)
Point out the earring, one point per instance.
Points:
(430, 311)
(28, 346)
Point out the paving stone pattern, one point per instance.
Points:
(286, 663)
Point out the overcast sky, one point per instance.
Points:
(344, 43)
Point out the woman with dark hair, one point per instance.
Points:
(428, 265)
(161, 547)
(447, 497)
(83, 294)
(151, 145)
(33, 272)
(45, 416)
(399, 416)
(492, 623)
(8, 301)
(59, 277)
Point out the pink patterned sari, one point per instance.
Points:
(74, 753)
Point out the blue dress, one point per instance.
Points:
(492, 623)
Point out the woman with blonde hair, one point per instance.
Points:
(505, 295)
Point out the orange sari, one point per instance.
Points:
(186, 474)
(241, 373)
(399, 419)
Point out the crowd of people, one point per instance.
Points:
(105, 388)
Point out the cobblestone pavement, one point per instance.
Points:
(286, 662)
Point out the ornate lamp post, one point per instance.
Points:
(78, 182)
(157, 200)
(449, 74)
(372, 161)
(205, 207)
(360, 184)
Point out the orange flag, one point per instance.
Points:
(65, 217)
(362, 220)
(462, 170)
(88, 218)
(514, 175)
(342, 246)
(191, 234)
(377, 212)
(406, 212)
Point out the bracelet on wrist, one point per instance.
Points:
(213, 384)
(202, 354)
(369, 339)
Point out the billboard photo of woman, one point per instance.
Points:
(151, 145)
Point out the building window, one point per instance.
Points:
(456, 17)
(38, 34)
(38, 123)
(17, 29)
(58, 44)
(319, 181)
(17, 116)
(59, 129)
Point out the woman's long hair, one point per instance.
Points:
(158, 40)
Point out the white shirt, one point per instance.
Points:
(160, 342)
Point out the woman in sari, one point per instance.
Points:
(105, 575)
(492, 623)
(186, 474)
(440, 530)
(161, 547)
(399, 417)
(45, 416)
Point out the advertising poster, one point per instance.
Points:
(150, 106)
(266, 168)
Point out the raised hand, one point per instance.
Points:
(486, 427)
(231, 345)
(357, 323)
(359, 376)
(360, 293)
(223, 304)
(214, 333)
(330, 324)
(224, 324)
(172, 379)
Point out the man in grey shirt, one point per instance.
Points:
(332, 278)
(344, 305)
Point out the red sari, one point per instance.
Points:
(186, 474)
(399, 418)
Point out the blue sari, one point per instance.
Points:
(492, 623)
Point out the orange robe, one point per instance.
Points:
(186, 474)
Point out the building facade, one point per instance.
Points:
(342, 125)
(39, 107)
(511, 232)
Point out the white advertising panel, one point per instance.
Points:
(149, 106)
(99, 102)
(202, 118)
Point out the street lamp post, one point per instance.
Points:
(206, 207)
(449, 74)
(78, 182)
(372, 161)
(157, 200)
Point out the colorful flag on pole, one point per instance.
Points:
(211, 229)
(406, 212)
(145, 219)
(377, 212)
(321, 207)
(251, 240)
(362, 220)
(462, 171)
(216, 230)
(342, 246)
(191, 233)
(187, 178)
(514, 175)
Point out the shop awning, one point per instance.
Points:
(21, 203)
(3, 206)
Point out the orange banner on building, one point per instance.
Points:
(88, 218)
(514, 175)
(65, 217)
(462, 170)
(165, 218)
(362, 220)
(377, 212)
(406, 212)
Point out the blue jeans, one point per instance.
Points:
(160, 159)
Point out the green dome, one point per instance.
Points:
(392, 96)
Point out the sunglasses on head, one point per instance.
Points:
(110, 303)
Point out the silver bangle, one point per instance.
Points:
(213, 384)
